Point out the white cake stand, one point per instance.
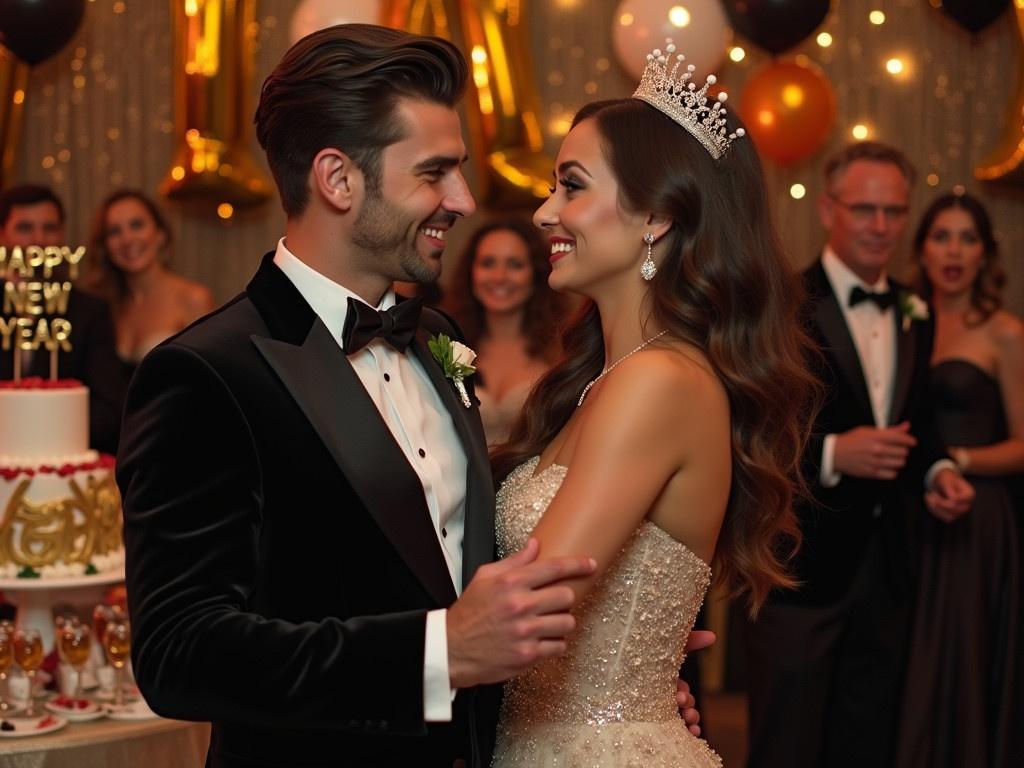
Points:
(35, 598)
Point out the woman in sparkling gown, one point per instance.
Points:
(668, 439)
(963, 703)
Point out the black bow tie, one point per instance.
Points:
(883, 299)
(396, 326)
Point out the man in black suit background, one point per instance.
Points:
(308, 502)
(33, 215)
(825, 660)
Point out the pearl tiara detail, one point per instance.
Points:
(674, 93)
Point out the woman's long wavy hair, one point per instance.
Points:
(724, 286)
(543, 310)
(987, 289)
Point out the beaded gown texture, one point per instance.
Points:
(610, 700)
(964, 699)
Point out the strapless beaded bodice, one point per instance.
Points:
(610, 700)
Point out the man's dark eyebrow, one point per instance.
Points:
(440, 161)
(573, 164)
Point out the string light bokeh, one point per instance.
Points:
(99, 115)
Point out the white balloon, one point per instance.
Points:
(699, 28)
(313, 15)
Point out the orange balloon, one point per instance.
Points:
(789, 108)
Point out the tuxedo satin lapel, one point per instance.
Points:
(478, 534)
(906, 350)
(332, 397)
(840, 346)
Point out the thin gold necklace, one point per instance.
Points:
(611, 367)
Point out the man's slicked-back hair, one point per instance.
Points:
(338, 88)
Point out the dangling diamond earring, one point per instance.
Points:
(648, 269)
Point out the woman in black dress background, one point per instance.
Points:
(963, 695)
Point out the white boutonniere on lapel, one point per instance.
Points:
(456, 361)
(912, 307)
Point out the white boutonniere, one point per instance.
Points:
(456, 361)
(912, 307)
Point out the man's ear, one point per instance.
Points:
(336, 179)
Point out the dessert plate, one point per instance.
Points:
(75, 710)
(17, 727)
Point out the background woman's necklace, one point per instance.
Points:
(611, 367)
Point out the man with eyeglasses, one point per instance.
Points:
(826, 660)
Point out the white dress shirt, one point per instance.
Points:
(874, 336)
(423, 429)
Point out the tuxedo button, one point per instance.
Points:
(422, 453)
(444, 533)
(387, 377)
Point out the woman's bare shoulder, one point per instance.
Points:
(195, 297)
(1006, 329)
(663, 390)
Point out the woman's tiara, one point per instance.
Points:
(674, 93)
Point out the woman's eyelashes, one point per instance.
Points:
(569, 184)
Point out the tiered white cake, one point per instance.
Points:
(60, 510)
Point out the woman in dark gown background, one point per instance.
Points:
(963, 700)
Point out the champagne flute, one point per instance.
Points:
(6, 662)
(75, 645)
(101, 614)
(117, 642)
(28, 654)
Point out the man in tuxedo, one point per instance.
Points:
(308, 502)
(34, 215)
(825, 660)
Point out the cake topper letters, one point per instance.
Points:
(36, 287)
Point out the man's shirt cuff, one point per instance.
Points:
(437, 691)
(829, 477)
(937, 467)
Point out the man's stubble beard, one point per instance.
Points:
(380, 231)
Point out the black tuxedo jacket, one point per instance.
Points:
(837, 522)
(92, 360)
(280, 555)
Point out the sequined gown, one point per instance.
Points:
(610, 700)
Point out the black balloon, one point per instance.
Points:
(776, 25)
(975, 15)
(34, 30)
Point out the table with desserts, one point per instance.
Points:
(92, 731)
(105, 743)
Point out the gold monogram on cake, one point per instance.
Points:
(70, 530)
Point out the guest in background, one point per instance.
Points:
(130, 242)
(501, 299)
(960, 706)
(827, 661)
(33, 215)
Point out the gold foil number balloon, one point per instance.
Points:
(504, 107)
(1006, 163)
(13, 82)
(213, 65)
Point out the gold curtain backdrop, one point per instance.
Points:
(99, 115)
